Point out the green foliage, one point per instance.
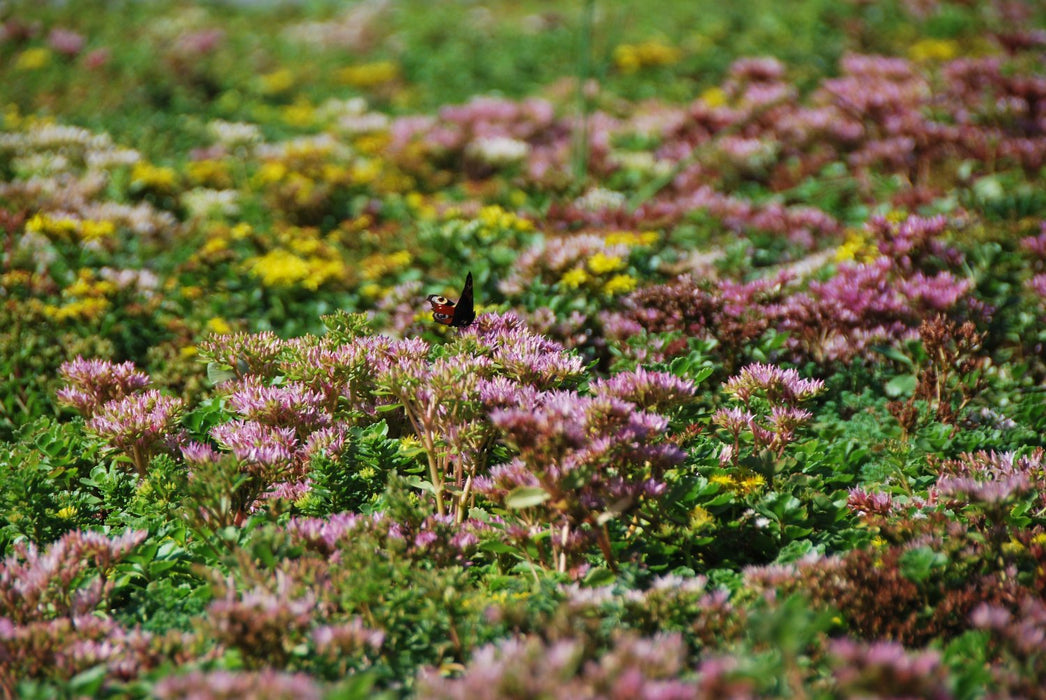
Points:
(789, 555)
(357, 477)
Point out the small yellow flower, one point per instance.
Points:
(215, 244)
(713, 97)
(94, 230)
(723, 480)
(700, 518)
(270, 172)
(192, 292)
(1039, 539)
(494, 217)
(300, 114)
(15, 278)
(371, 143)
(187, 351)
(55, 228)
(153, 177)
(82, 309)
(210, 173)
(410, 445)
(278, 268)
(574, 278)
(87, 286)
(601, 263)
(631, 57)
(619, 284)
(632, 238)
(12, 118)
(857, 247)
(277, 81)
(414, 200)
(365, 171)
(369, 75)
(218, 326)
(33, 59)
(240, 231)
(750, 484)
(933, 50)
(380, 264)
(67, 513)
(517, 198)
(626, 58)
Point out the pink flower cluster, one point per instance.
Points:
(769, 412)
(55, 612)
(863, 304)
(138, 423)
(91, 383)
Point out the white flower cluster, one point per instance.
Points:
(234, 134)
(498, 151)
(600, 199)
(205, 203)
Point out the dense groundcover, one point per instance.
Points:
(753, 404)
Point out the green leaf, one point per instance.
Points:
(702, 374)
(894, 354)
(526, 497)
(218, 373)
(420, 483)
(920, 563)
(600, 576)
(496, 547)
(901, 385)
(89, 682)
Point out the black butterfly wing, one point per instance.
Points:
(464, 311)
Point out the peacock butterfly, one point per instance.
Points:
(458, 314)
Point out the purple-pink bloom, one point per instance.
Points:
(139, 425)
(91, 383)
(65, 41)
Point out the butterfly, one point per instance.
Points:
(458, 314)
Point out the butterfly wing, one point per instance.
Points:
(442, 309)
(464, 311)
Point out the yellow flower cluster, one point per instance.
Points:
(857, 248)
(933, 50)
(276, 82)
(369, 75)
(574, 278)
(619, 284)
(303, 259)
(151, 177)
(741, 484)
(600, 263)
(630, 58)
(210, 173)
(495, 218)
(714, 97)
(700, 518)
(218, 326)
(632, 239)
(376, 266)
(300, 114)
(88, 299)
(63, 228)
(33, 59)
